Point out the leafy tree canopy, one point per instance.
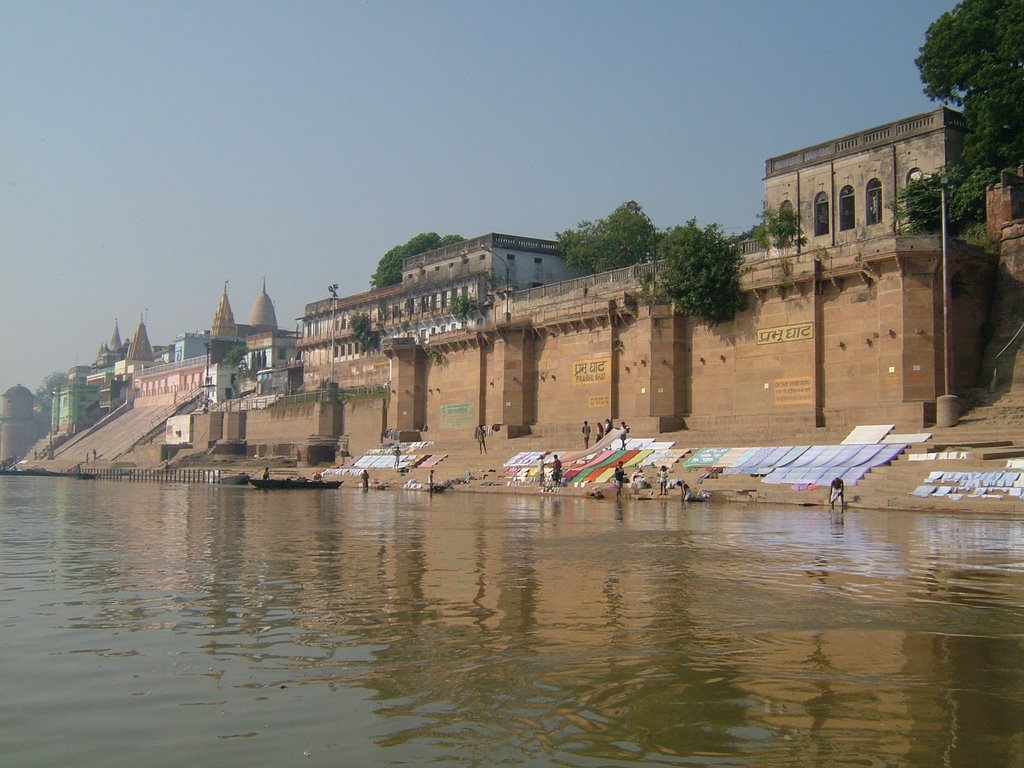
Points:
(389, 268)
(918, 206)
(973, 58)
(235, 357)
(362, 330)
(44, 392)
(779, 229)
(625, 237)
(461, 307)
(700, 272)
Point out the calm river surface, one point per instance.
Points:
(174, 625)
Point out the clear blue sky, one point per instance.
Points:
(149, 151)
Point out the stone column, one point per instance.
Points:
(405, 411)
(508, 377)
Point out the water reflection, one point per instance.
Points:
(481, 630)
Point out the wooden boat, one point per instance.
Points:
(32, 472)
(239, 479)
(292, 484)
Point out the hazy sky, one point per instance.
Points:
(150, 151)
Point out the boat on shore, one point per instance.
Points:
(292, 484)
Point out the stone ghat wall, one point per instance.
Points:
(838, 337)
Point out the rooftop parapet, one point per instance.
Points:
(880, 135)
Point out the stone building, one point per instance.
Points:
(846, 330)
(482, 272)
(15, 423)
(843, 189)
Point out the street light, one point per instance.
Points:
(333, 290)
(947, 406)
(508, 315)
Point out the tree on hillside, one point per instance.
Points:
(389, 268)
(700, 272)
(625, 237)
(973, 58)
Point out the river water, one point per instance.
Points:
(175, 625)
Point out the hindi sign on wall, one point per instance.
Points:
(798, 390)
(783, 333)
(594, 371)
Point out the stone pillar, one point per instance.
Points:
(408, 403)
(947, 411)
(656, 374)
(511, 347)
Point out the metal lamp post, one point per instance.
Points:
(947, 406)
(333, 290)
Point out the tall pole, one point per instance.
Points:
(947, 405)
(333, 288)
(946, 321)
(206, 381)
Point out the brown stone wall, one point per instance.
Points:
(292, 423)
(454, 402)
(851, 335)
(576, 374)
(365, 421)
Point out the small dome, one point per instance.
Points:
(18, 391)
(262, 315)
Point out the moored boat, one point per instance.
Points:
(292, 483)
(239, 479)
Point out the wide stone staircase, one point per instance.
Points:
(120, 432)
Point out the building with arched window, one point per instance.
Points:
(843, 188)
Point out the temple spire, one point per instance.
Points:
(140, 350)
(224, 319)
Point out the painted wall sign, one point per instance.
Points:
(456, 415)
(798, 390)
(594, 371)
(782, 333)
(599, 401)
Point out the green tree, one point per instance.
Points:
(779, 229)
(44, 392)
(973, 58)
(362, 330)
(461, 307)
(42, 413)
(918, 206)
(236, 358)
(625, 237)
(700, 272)
(389, 268)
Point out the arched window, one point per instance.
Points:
(873, 201)
(914, 174)
(786, 205)
(846, 208)
(820, 214)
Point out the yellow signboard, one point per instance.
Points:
(595, 371)
(798, 390)
(781, 333)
